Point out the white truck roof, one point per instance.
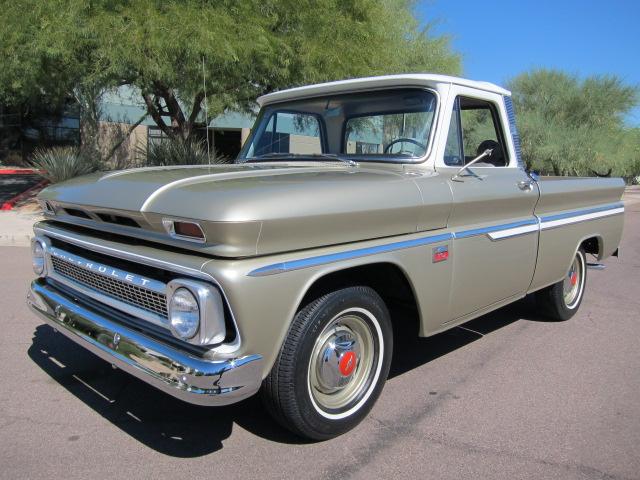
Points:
(384, 81)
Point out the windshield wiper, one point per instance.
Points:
(266, 156)
(333, 156)
(327, 156)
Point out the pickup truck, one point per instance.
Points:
(277, 273)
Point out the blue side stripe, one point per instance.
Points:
(335, 257)
(362, 252)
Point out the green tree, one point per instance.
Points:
(243, 49)
(570, 126)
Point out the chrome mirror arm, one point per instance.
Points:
(486, 153)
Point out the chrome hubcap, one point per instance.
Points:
(572, 283)
(342, 361)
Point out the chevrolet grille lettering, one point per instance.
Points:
(103, 269)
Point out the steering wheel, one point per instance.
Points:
(403, 140)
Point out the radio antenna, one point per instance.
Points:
(206, 111)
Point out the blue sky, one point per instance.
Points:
(499, 39)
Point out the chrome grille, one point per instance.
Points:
(132, 294)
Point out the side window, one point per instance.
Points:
(474, 128)
(453, 155)
(481, 131)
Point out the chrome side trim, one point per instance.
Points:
(561, 219)
(508, 227)
(335, 257)
(190, 378)
(515, 231)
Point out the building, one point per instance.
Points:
(123, 108)
(120, 111)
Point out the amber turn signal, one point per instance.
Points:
(184, 230)
(188, 229)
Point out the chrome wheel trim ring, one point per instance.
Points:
(360, 383)
(572, 287)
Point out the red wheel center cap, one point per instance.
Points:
(347, 363)
(574, 278)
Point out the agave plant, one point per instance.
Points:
(179, 152)
(62, 163)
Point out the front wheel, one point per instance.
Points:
(561, 300)
(332, 365)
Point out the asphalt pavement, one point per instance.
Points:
(12, 185)
(506, 396)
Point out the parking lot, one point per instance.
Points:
(508, 395)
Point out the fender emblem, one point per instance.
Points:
(440, 254)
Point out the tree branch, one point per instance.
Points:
(197, 107)
(155, 114)
(178, 119)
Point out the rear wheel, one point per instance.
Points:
(561, 300)
(332, 365)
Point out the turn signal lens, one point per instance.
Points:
(184, 230)
(187, 229)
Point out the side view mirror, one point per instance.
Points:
(534, 175)
(486, 153)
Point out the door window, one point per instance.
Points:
(474, 128)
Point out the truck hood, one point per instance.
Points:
(255, 209)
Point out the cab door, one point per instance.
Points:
(495, 231)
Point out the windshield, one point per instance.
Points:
(387, 125)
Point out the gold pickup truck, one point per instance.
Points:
(277, 273)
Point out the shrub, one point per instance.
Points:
(179, 152)
(62, 163)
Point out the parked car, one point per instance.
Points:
(276, 274)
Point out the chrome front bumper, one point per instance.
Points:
(187, 377)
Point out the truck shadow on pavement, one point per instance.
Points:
(178, 429)
(411, 351)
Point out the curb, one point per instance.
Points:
(9, 204)
(19, 171)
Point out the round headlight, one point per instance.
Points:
(184, 314)
(37, 257)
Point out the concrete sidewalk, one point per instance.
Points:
(16, 229)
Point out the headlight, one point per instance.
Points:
(37, 256)
(184, 314)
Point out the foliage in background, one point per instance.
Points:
(570, 126)
(62, 163)
(179, 152)
(53, 48)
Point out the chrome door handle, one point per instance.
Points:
(525, 185)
